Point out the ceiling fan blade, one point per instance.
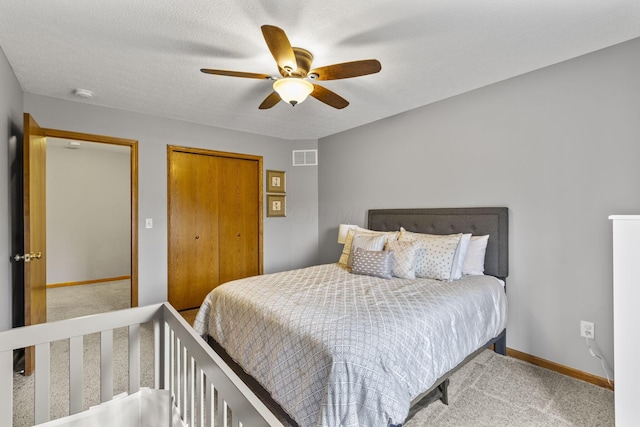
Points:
(328, 97)
(270, 101)
(280, 47)
(235, 74)
(346, 70)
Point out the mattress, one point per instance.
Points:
(339, 349)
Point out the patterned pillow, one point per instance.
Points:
(366, 242)
(345, 257)
(372, 263)
(404, 258)
(436, 253)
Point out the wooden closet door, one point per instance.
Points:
(193, 227)
(239, 214)
(215, 221)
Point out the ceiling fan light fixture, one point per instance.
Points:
(292, 89)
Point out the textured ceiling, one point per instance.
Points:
(145, 55)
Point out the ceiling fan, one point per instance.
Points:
(294, 64)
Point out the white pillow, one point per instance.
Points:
(474, 261)
(459, 257)
(436, 253)
(404, 257)
(344, 260)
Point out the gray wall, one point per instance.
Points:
(153, 135)
(560, 147)
(88, 213)
(10, 125)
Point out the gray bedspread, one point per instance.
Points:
(338, 349)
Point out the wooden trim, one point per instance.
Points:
(176, 148)
(134, 222)
(63, 134)
(88, 282)
(561, 369)
(133, 156)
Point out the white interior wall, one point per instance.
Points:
(559, 147)
(88, 213)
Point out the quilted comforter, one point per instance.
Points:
(339, 349)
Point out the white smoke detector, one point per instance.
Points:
(83, 93)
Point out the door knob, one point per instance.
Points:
(28, 257)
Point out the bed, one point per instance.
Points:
(327, 347)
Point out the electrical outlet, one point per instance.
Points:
(587, 329)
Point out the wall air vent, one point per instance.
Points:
(305, 157)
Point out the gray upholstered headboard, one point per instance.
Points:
(478, 221)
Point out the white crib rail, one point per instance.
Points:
(206, 390)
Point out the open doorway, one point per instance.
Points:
(88, 227)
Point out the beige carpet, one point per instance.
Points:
(494, 390)
(490, 390)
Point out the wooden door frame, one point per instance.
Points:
(133, 161)
(178, 149)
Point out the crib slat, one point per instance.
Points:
(191, 397)
(6, 388)
(184, 374)
(160, 331)
(106, 365)
(225, 411)
(199, 397)
(209, 402)
(134, 358)
(76, 355)
(177, 374)
(172, 363)
(42, 382)
(166, 362)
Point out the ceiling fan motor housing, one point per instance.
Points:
(304, 58)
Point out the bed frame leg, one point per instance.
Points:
(444, 393)
(500, 346)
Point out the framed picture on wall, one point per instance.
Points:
(276, 181)
(276, 205)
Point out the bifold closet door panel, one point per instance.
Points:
(238, 196)
(194, 230)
